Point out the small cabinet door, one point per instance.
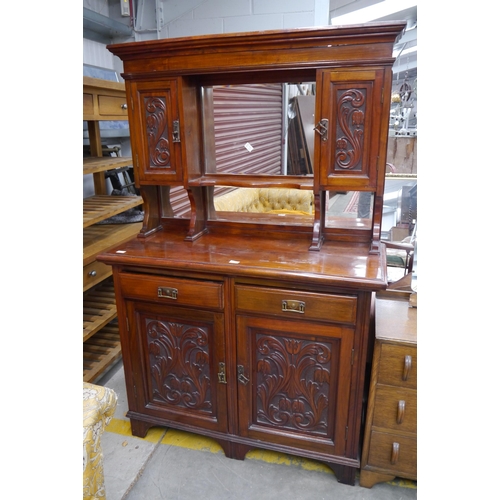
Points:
(176, 356)
(155, 131)
(294, 382)
(348, 129)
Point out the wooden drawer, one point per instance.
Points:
(94, 273)
(393, 453)
(398, 365)
(395, 409)
(114, 106)
(296, 305)
(171, 291)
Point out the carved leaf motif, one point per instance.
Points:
(157, 131)
(179, 364)
(351, 119)
(293, 383)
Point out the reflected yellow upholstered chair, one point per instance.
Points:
(99, 404)
(266, 200)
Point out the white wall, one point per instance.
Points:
(199, 17)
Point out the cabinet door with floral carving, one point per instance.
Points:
(349, 136)
(294, 382)
(155, 131)
(177, 355)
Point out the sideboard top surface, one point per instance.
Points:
(337, 264)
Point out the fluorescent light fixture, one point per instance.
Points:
(374, 12)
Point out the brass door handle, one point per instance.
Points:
(241, 375)
(322, 129)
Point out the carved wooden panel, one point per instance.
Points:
(179, 363)
(293, 383)
(349, 150)
(349, 138)
(157, 131)
(178, 353)
(298, 381)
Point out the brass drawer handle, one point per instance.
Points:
(293, 306)
(401, 411)
(241, 375)
(167, 293)
(407, 368)
(395, 453)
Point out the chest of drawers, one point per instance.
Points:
(390, 447)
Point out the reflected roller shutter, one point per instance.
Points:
(248, 128)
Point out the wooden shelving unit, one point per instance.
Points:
(102, 100)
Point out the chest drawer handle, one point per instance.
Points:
(407, 368)
(167, 293)
(293, 306)
(401, 411)
(395, 453)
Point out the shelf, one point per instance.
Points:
(99, 308)
(256, 181)
(101, 352)
(100, 238)
(100, 207)
(94, 165)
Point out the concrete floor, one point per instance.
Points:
(178, 465)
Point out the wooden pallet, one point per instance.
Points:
(101, 352)
(99, 308)
(100, 207)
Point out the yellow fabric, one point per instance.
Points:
(99, 404)
(275, 200)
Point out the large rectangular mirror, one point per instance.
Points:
(259, 129)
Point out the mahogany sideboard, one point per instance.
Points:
(253, 328)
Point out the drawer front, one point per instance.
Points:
(88, 104)
(297, 305)
(393, 453)
(171, 291)
(398, 365)
(94, 273)
(395, 409)
(113, 106)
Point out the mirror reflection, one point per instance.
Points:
(278, 201)
(259, 129)
(349, 209)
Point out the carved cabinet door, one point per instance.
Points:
(155, 131)
(294, 382)
(348, 129)
(176, 356)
